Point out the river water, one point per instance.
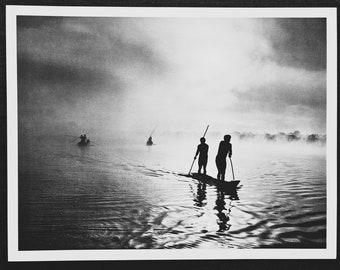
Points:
(119, 194)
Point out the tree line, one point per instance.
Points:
(283, 136)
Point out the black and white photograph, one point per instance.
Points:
(184, 133)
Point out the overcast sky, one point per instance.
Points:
(121, 74)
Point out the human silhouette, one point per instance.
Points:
(223, 150)
(202, 150)
(82, 138)
(149, 142)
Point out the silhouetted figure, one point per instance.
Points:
(223, 150)
(149, 141)
(202, 150)
(83, 139)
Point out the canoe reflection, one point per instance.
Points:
(200, 200)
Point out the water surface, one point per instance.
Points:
(119, 194)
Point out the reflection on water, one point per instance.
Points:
(201, 195)
(113, 196)
(220, 207)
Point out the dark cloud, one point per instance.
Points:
(78, 69)
(95, 41)
(64, 83)
(277, 98)
(283, 107)
(300, 42)
(293, 89)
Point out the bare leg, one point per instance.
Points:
(199, 168)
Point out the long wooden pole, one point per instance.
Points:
(205, 131)
(194, 158)
(153, 131)
(232, 168)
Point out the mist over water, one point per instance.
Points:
(121, 194)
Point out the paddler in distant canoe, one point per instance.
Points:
(83, 140)
(149, 141)
(202, 150)
(224, 149)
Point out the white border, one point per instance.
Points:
(12, 130)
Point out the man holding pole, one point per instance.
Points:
(223, 150)
(202, 150)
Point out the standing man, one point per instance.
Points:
(202, 150)
(223, 150)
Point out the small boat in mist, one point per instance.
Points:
(84, 141)
(149, 141)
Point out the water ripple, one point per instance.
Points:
(95, 198)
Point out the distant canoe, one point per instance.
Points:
(231, 185)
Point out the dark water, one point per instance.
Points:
(116, 195)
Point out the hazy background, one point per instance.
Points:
(114, 76)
